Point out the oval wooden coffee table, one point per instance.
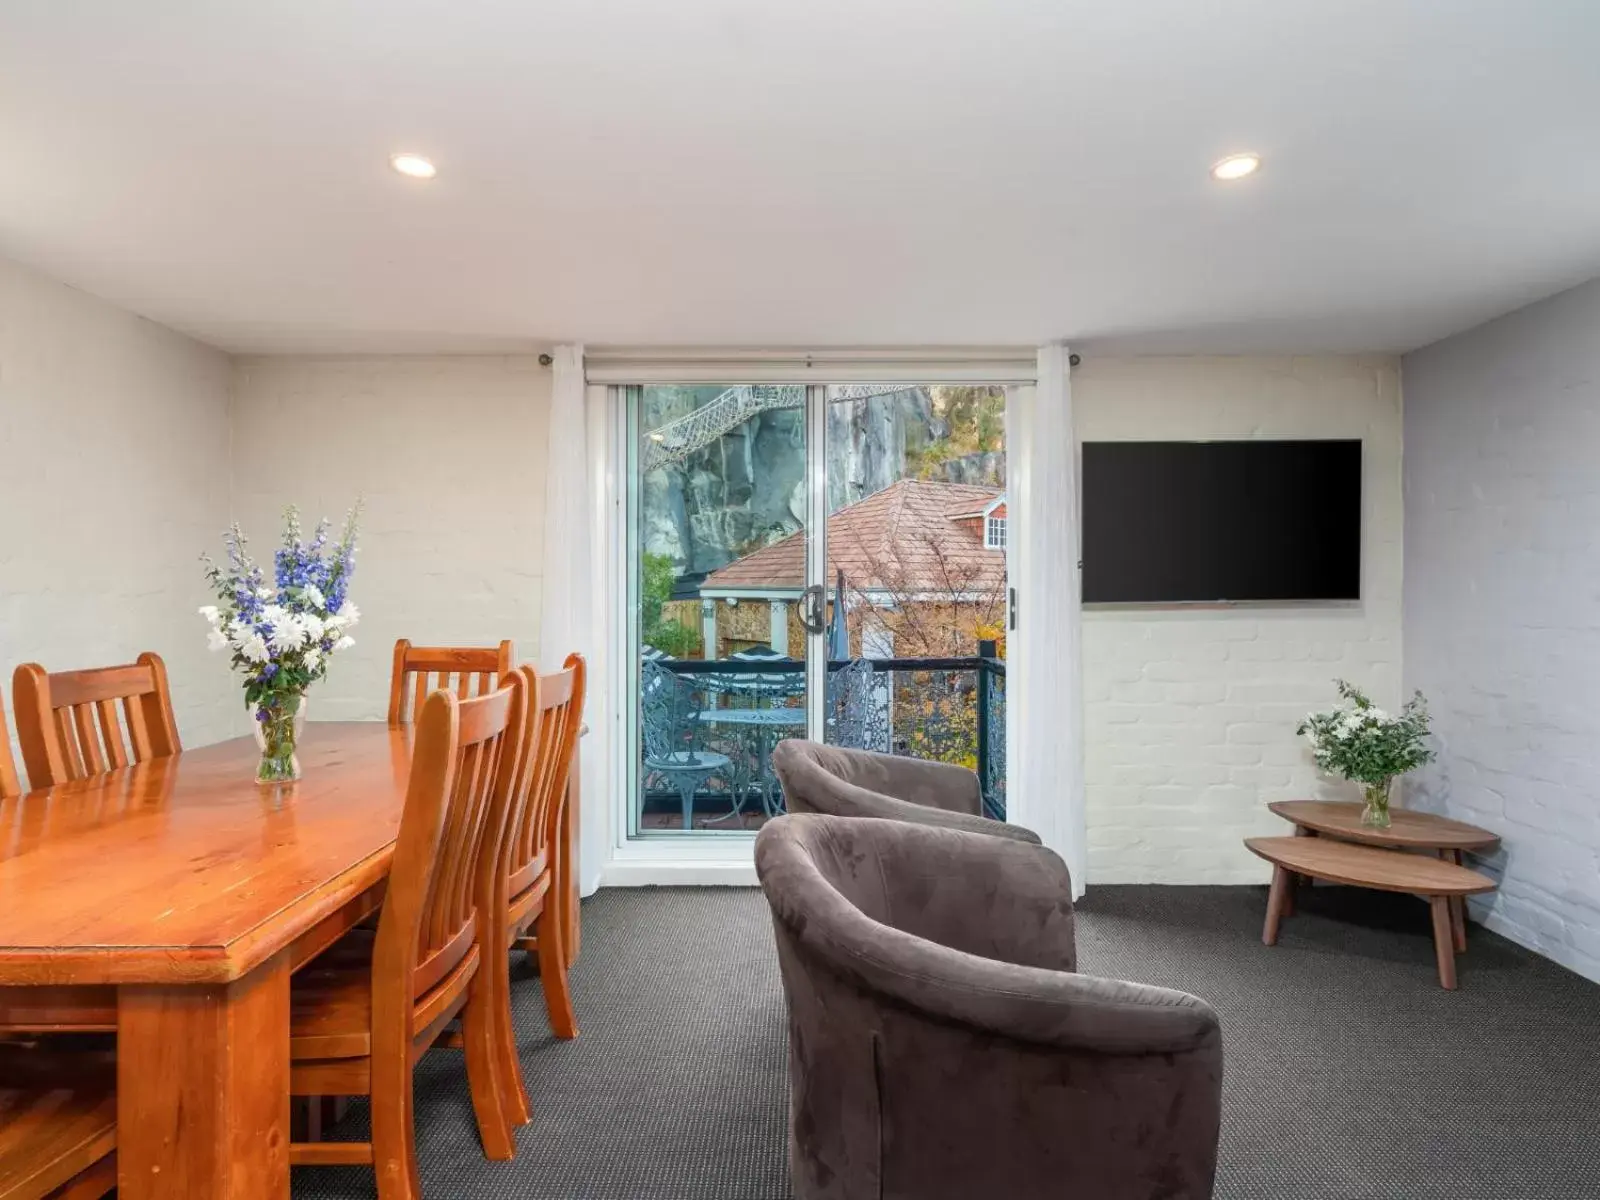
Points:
(1434, 880)
(1407, 830)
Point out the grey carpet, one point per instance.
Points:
(1350, 1074)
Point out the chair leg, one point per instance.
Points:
(687, 793)
(513, 1091)
(394, 1135)
(553, 975)
(479, 1035)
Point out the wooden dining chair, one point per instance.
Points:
(68, 725)
(58, 1123)
(414, 665)
(527, 881)
(364, 1013)
(10, 785)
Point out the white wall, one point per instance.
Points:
(449, 454)
(1189, 713)
(1502, 606)
(113, 479)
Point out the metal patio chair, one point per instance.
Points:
(672, 736)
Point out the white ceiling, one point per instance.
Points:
(826, 172)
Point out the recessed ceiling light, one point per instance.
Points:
(1235, 166)
(413, 165)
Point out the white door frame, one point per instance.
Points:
(1047, 798)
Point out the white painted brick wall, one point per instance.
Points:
(1502, 611)
(450, 454)
(113, 478)
(1189, 713)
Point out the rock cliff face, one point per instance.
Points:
(868, 440)
(746, 489)
(983, 469)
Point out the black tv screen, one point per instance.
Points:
(1168, 522)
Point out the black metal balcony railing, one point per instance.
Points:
(945, 709)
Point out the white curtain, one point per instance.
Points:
(1044, 686)
(572, 614)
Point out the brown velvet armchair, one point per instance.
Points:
(862, 783)
(942, 1045)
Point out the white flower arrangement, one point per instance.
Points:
(1365, 744)
(283, 635)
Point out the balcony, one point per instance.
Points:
(710, 728)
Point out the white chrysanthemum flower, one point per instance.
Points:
(211, 613)
(217, 640)
(311, 625)
(349, 613)
(254, 648)
(344, 643)
(266, 593)
(313, 658)
(314, 597)
(287, 635)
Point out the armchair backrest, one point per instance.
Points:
(844, 782)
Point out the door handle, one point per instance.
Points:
(811, 609)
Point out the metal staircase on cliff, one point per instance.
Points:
(679, 438)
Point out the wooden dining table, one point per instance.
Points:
(182, 894)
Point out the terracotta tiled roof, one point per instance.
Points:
(904, 539)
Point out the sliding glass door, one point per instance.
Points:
(916, 573)
(807, 561)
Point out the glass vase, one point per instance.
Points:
(278, 729)
(1375, 813)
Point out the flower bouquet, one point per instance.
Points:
(1364, 743)
(282, 635)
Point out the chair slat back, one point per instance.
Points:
(556, 720)
(74, 724)
(467, 671)
(10, 785)
(465, 759)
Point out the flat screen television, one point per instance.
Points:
(1172, 522)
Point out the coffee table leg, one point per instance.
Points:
(1444, 940)
(1275, 902)
(1458, 909)
(1294, 877)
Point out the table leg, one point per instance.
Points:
(1301, 831)
(1458, 909)
(203, 1089)
(1444, 941)
(566, 899)
(1275, 902)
